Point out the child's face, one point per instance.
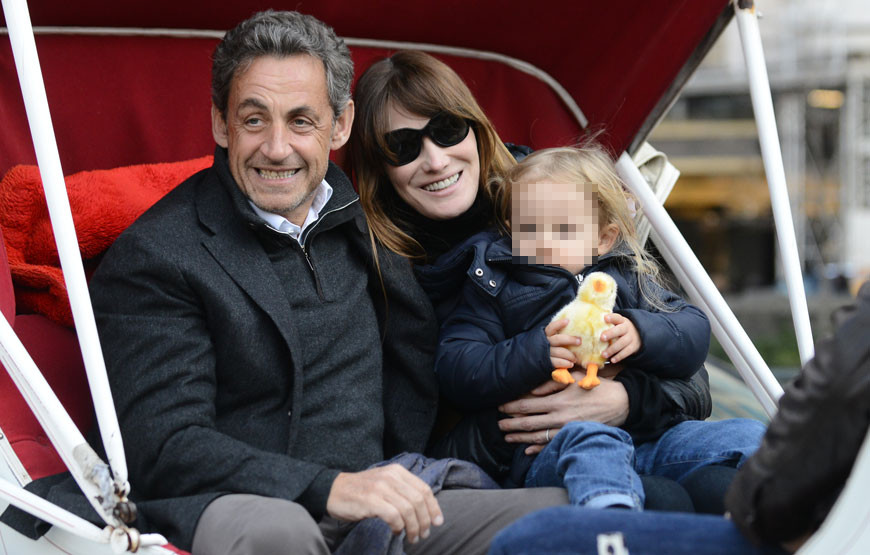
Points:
(554, 223)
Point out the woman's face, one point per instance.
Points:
(441, 183)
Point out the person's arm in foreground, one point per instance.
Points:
(786, 489)
(478, 367)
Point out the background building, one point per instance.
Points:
(818, 60)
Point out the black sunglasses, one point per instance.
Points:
(405, 144)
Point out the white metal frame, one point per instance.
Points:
(39, 118)
(701, 290)
(105, 486)
(762, 105)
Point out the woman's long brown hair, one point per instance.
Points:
(422, 85)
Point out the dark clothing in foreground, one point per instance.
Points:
(788, 487)
(581, 531)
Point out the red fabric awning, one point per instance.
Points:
(619, 60)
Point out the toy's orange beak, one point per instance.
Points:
(599, 286)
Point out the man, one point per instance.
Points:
(261, 359)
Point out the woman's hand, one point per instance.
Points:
(539, 415)
(560, 356)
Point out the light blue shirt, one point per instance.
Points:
(283, 225)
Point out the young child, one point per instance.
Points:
(571, 216)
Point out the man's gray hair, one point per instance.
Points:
(281, 34)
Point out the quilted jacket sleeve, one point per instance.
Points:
(477, 366)
(675, 341)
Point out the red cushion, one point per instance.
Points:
(103, 203)
(55, 351)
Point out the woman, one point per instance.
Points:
(425, 158)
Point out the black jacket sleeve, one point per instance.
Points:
(787, 488)
(477, 366)
(409, 331)
(674, 341)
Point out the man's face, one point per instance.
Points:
(278, 131)
(555, 223)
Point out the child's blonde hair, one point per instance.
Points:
(589, 163)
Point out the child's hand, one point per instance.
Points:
(623, 336)
(559, 355)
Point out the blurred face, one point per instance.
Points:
(554, 223)
(441, 183)
(279, 130)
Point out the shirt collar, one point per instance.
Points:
(283, 225)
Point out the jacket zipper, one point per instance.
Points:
(320, 219)
(305, 251)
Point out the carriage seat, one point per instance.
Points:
(55, 350)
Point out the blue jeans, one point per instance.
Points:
(578, 530)
(692, 444)
(600, 466)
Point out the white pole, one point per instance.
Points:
(680, 251)
(767, 402)
(36, 103)
(762, 104)
(61, 430)
(120, 539)
(49, 512)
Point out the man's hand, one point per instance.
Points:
(390, 493)
(623, 336)
(552, 405)
(560, 356)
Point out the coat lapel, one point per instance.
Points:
(236, 249)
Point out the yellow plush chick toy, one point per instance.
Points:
(595, 299)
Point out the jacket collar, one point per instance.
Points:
(443, 278)
(231, 237)
(491, 258)
(485, 258)
(501, 251)
(212, 208)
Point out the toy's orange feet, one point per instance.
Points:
(591, 379)
(563, 376)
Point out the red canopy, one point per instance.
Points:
(621, 61)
